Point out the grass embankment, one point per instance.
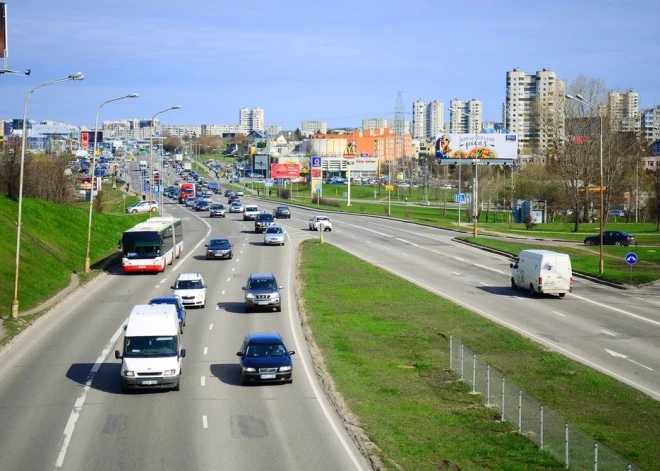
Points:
(385, 342)
(53, 245)
(585, 259)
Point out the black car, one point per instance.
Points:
(265, 358)
(282, 212)
(262, 221)
(219, 248)
(202, 205)
(611, 238)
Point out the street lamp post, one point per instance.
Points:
(91, 193)
(76, 76)
(151, 154)
(581, 99)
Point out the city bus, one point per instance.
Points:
(151, 245)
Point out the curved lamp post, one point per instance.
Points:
(151, 155)
(91, 193)
(76, 76)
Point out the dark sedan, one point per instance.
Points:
(282, 212)
(202, 205)
(611, 238)
(265, 358)
(219, 248)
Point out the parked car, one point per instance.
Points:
(142, 207)
(282, 212)
(611, 238)
(219, 248)
(180, 310)
(217, 209)
(190, 287)
(317, 221)
(274, 235)
(262, 290)
(617, 213)
(265, 358)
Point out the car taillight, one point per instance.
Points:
(540, 281)
(627, 238)
(571, 281)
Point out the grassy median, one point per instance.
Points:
(385, 343)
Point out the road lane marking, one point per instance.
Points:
(211, 327)
(482, 283)
(228, 279)
(233, 269)
(635, 316)
(206, 350)
(489, 268)
(455, 273)
(559, 313)
(77, 407)
(639, 364)
(223, 292)
(203, 381)
(608, 333)
(205, 422)
(404, 254)
(459, 259)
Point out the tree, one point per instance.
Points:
(654, 199)
(172, 143)
(297, 135)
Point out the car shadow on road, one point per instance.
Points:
(233, 307)
(501, 290)
(105, 380)
(228, 373)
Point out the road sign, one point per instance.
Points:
(268, 182)
(318, 190)
(123, 196)
(631, 258)
(389, 187)
(316, 162)
(459, 197)
(145, 187)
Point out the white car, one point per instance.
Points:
(142, 207)
(250, 213)
(206, 198)
(190, 287)
(317, 221)
(274, 235)
(239, 193)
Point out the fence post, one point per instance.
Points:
(541, 432)
(566, 446)
(595, 456)
(488, 385)
(451, 351)
(502, 398)
(462, 366)
(474, 373)
(519, 411)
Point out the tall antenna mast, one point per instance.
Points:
(399, 127)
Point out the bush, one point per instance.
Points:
(529, 221)
(325, 202)
(284, 193)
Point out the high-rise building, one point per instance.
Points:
(273, 129)
(623, 110)
(251, 119)
(650, 123)
(428, 119)
(465, 117)
(313, 127)
(531, 99)
(373, 124)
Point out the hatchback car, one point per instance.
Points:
(282, 212)
(180, 310)
(265, 358)
(617, 213)
(611, 238)
(262, 291)
(217, 209)
(274, 235)
(219, 248)
(317, 221)
(142, 207)
(190, 287)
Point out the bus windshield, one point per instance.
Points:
(141, 245)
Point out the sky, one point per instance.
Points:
(337, 61)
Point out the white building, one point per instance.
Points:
(251, 119)
(313, 127)
(274, 130)
(373, 124)
(650, 123)
(220, 129)
(522, 90)
(623, 110)
(428, 119)
(465, 117)
(181, 130)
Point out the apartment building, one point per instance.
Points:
(373, 124)
(524, 92)
(313, 127)
(251, 119)
(181, 130)
(650, 123)
(465, 117)
(623, 110)
(273, 130)
(428, 119)
(220, 129)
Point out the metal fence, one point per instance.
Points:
(550, 432)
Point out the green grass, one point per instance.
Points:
(585, 259)
(53, 245)
(385, 342)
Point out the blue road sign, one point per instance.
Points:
(318, 190)
(145, 187)
(631, 258)
(459, 197)
(316, 162)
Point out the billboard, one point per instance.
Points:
(261, 162)
(3, 30)
(284, 170)
(364, 164)
(87, 138)
(487, 146)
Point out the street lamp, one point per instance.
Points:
(91, 193)
(581, 99)
(151, 153)
(76, 76)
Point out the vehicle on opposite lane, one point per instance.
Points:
(611, 238)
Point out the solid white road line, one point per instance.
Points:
(608, 333)
(635, 316)
(559, 313)
(205, 422)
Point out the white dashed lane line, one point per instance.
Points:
(205, 422)
(211, 327)
(559, 314)
(203, 380)
(608, 333)
(223, 292)
(206, 350)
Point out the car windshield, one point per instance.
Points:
(265, 217)
(218, 242)
(274, 230)
(189, 284)
(151, 346)
(265, 350)
(216, 206)
(262, 283)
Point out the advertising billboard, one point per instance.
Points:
(87, 138)
(364, 164)
(284, 170)
(261, 162)
(487, 146)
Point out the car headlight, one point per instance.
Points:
(128, 373)
(249, 370)
(169, 372)
(249, 296)
(285, 368)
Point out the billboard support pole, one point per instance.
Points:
(474, 187)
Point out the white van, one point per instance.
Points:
(143, 165)
(543, 272)
(250, 212)
(152, 348)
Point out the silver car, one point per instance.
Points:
(217, 209)
(274, 235)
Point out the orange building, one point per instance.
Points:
(380, 142)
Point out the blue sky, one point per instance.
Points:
(337, 61)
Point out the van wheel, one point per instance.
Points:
(181, 329)
(532, 293)
(561, 295)
(513, 284)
